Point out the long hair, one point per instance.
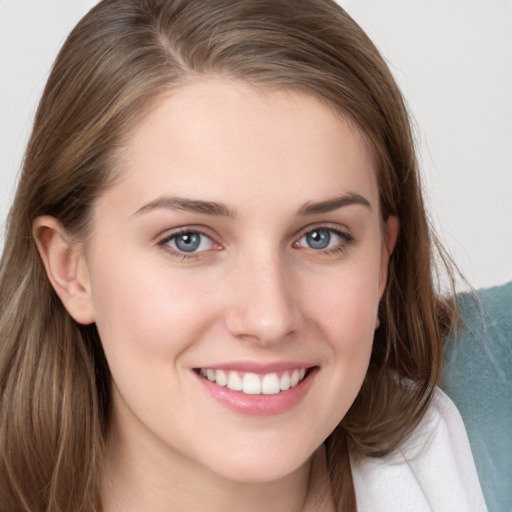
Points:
(54, 379)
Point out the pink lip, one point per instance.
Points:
(260, 368)
(259, 405)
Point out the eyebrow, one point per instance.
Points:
(222, 210)
(189, 205)
(335, 203)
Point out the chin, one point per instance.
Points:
(259, 466)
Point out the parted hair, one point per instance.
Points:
(55, 385)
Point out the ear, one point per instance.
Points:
(392, 226)
(66, 267)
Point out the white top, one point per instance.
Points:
(433, 471)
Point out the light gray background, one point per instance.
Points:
(452, 58)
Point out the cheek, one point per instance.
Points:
(346, 312)
(347, 301)
(143, 310)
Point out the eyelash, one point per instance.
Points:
(182, 255)
(347, 240)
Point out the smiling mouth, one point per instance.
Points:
(255, 384)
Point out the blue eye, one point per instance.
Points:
(318, 239)
(189, 242)
(323, 238)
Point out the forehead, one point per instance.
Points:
(223, 136)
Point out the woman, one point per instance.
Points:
(217, 286)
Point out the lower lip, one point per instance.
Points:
(259, 405)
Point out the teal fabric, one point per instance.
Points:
(478, 378)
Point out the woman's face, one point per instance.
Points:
(235, 272)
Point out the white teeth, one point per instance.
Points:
(252, 383)
(285, 383)
(221, 378)
(234, 381)
(270, 384)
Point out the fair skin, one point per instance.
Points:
(243, 237)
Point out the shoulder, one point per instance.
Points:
(432, 471)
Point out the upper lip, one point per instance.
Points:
(259, 367)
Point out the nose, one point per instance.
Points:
(262, 305)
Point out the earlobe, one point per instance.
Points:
(390, 239)
(65, 266)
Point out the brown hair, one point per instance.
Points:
(54, 380)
